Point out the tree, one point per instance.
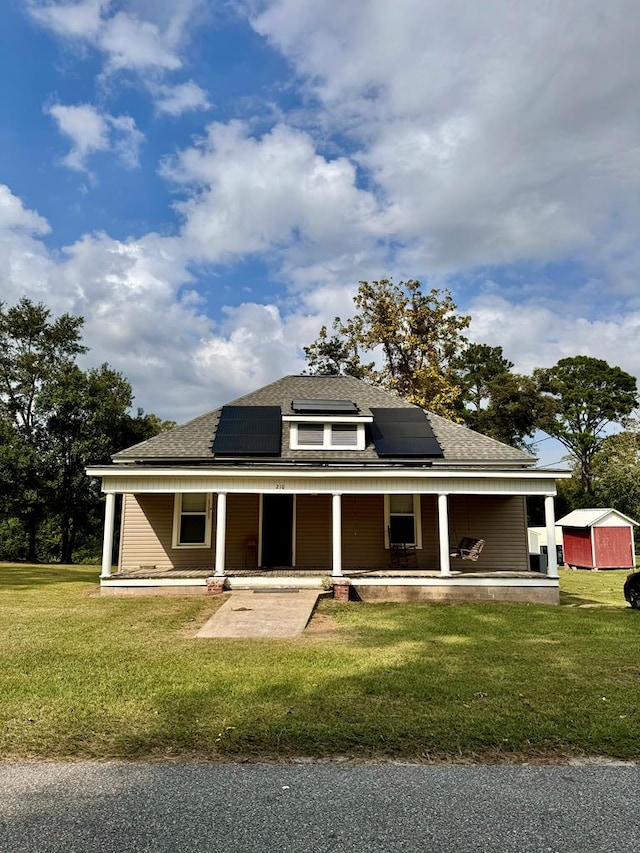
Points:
(414, 335)
(616, 470)
(587, 397)
(495, 401)
(87, 420)
(336, 356)
(477, 367)
(54, 420)
(34, 351)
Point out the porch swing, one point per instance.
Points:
(469, 547)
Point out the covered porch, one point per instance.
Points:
(334, 534)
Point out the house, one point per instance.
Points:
(598, 539)
(325, 479)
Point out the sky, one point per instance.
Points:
(206, 181)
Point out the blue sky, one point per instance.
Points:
(206, 181)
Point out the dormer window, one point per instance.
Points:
(314, 435)
(327, 425)
(311, 435)
(344, 435)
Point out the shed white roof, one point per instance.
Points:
(591, 517)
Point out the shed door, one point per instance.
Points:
(613, 547)
(277, 530)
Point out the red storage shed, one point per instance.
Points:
(598, 539)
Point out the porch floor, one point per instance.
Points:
(382, 584)
(316, 571)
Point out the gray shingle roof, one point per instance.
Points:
(191, 442)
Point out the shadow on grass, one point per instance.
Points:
(398, 680)
(570, 599)
(29, 576)
(486, 686)
(407, 711)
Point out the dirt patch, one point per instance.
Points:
(321, 627)
(189, 630)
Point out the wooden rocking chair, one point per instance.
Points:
(402, 555)
(468, 548)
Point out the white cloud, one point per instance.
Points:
(143, 317)
(274, 194)
(132, 43)
(538, 335)
(24, 267)
(495, 132)
(81, 20)
(137, 316)
(87, 129)
(126, 140)
(467, 134)
(253, 346)
(91, 131)
(14, 216)
(132, 34)
(175, 100)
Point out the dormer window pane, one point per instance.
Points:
(311, 435)
(344, 435)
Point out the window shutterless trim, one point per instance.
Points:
(297, 443)
(177, 519)
(417, 520)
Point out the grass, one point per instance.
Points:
(88, 677)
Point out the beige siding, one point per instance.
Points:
(313, 531)
(243, 513)
(502, 522)
(147, 530)
(147, 526)
(429, 557)
(363, 532)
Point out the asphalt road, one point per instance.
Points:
(68, 808)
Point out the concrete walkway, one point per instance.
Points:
(262, 613)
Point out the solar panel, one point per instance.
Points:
(248, 431)
(324, 406)
(403, 432)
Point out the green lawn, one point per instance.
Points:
(85, 676)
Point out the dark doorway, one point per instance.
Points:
(277, 530)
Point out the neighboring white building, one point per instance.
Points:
(538, 539)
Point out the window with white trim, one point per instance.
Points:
(327, 436)
(192, 520)
(402, 520)
(344, 435)
(310, 435)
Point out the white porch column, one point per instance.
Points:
(336, 526)
(443, 532)
(221, 531)
(550, 519)
(107, 541)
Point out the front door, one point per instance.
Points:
(277, 530)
